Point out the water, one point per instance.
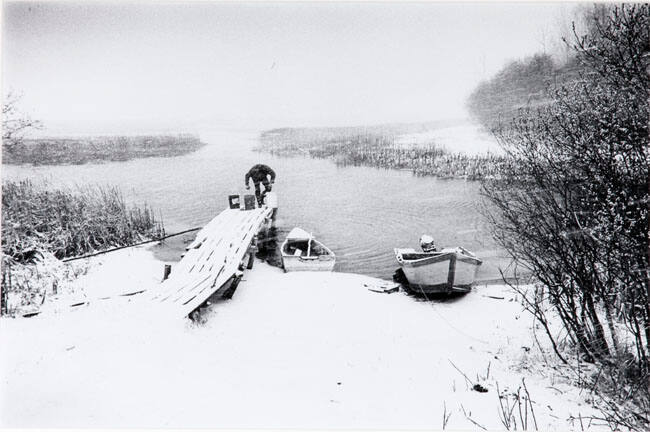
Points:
(361, 213)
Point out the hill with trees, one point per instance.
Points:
(519, 84)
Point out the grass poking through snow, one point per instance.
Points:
(41, 224)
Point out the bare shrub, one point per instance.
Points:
(15, 124)
(522, 403)
(572, 205)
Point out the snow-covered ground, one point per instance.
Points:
(468, 138)
(297, 350)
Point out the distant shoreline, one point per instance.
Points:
(382, 147)
(82, 150)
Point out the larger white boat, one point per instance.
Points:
(445, 271)
(301, 252)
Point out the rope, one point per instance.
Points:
(133, 245)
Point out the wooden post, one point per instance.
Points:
(309, 245)
(6, 282)
(168, 270)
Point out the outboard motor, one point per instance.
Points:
(427, 244)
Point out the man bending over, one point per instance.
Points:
(260, 173)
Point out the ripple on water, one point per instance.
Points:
(361, 213)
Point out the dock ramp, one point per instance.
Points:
(212, 261)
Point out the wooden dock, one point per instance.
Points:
(214, 261)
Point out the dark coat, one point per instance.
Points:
(259, 173)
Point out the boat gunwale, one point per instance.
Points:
(435, 258)
(329, 255)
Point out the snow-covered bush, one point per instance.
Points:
(572, 207)
(42, 224)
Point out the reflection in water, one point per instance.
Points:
(172, 248)
(269, 243)
(360, 213)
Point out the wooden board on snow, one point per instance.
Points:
(211, 259)
(382, 287)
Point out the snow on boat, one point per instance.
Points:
(301, 252)
(445, 271)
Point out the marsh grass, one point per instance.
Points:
(59, 151)
(68, 222)
(42, 224)
(378, 148)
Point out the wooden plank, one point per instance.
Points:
(181, 276)
(206, 237)
(231, 263)
(211, 259)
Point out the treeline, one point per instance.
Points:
(571, 206)
(378, 147)
(520, 84)
(57, 151)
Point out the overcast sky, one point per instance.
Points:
(110, 66)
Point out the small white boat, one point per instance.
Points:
(301, 252)
(445, 271)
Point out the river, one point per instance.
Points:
(361, 213)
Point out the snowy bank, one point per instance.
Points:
(468, 138)
(296, 350)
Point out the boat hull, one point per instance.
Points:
(444, 272)
(295, 255)
(292, 263)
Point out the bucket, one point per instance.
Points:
(249, 202)
(233, 201)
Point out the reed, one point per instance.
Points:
(379, 148)
(69, 222)
(59, 151)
